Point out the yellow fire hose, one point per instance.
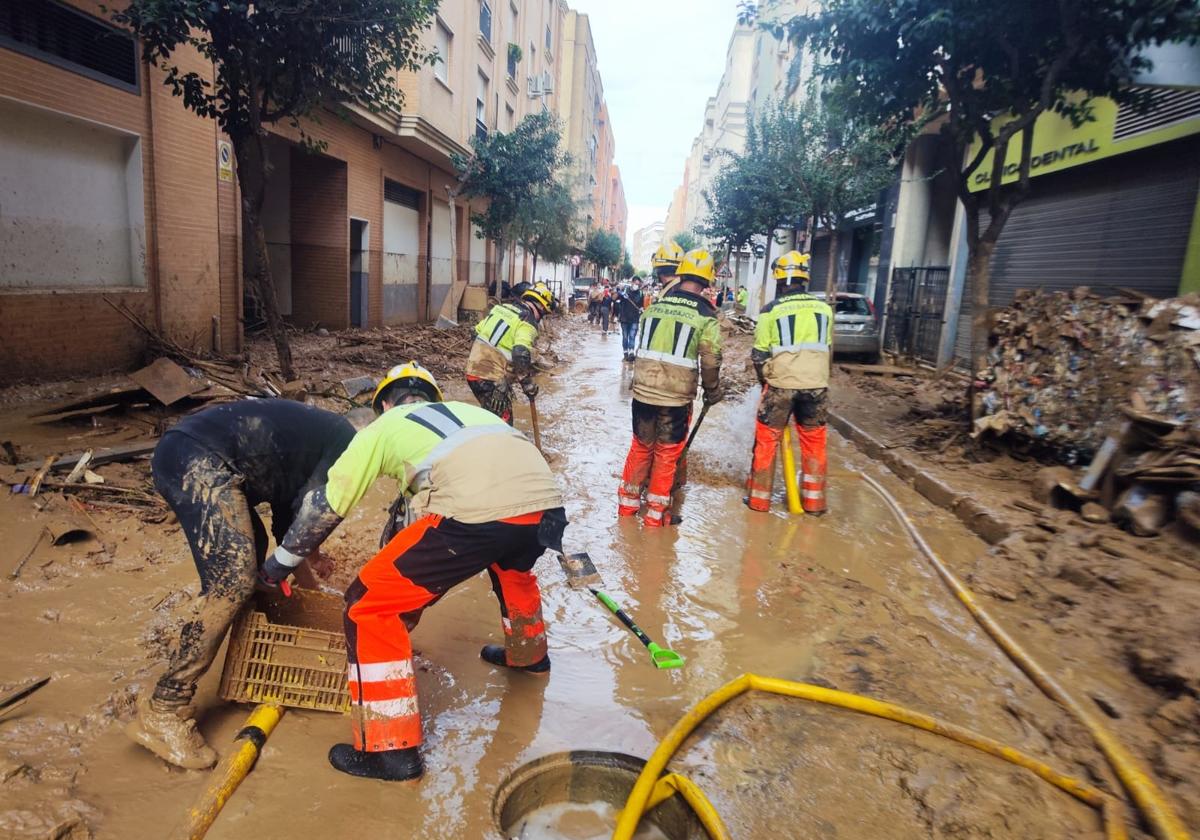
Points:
(1152, 803)
(789, 474)
(650, 790)
(231, 771)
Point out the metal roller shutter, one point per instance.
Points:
(1119, 223)
(819, 266)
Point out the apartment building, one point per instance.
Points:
(111, 188)
(645, 242)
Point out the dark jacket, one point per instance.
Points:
(629, 306)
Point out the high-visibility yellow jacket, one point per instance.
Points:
(678, 345)
(503, 347)
(792, 342)
(453, 459)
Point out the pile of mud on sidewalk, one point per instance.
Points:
(1063, 365)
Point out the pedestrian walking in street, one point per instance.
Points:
(629, 311)
(502, 354)
(477, 497)
(213, 468)
(606, 304)
(677, 347)
(595, 293)
(791, 355)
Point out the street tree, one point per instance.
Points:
(686, 240)
(627, 269)
(509, 170)
(604, 249)
(278, 62)
(548, 226)
(987, 71)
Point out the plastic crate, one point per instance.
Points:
(290, 651)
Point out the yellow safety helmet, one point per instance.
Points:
(698, 265)
(792, 266)
(541, 295)
(411, 376)
(668, 255)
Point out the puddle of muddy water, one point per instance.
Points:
(577, 821)
(843, 600)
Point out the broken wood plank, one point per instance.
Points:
(81, 466)
(96, 399)
(16, 572)
(166, 381)
(36, 483)
(21, 692)
(112, 455)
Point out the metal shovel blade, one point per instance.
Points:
(663, 658)
(581, 571)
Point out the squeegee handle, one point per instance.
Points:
(623, 616)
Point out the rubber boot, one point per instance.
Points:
(170, 733)
(385, 765)
(495, 655)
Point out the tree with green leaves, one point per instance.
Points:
(509, 170)
(987, 71)
(603, 248)
(686, 240)
(277, 62)
(548, 226)
(627, 269)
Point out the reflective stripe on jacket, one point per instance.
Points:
(792, 341)
(508, 325)
(678, 344)
(453, 459)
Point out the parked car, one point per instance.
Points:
(855, 331)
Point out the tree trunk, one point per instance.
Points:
(831, 285)
(979, 276)
(533, 271)
(501, 253)
(762, 292)
(252, 166)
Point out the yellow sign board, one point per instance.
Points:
(1058, 145)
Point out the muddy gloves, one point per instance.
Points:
(522, 362)
(277, 568)
(530, 388)
(712, 396)
(760, 359)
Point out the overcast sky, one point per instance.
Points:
(660, 61)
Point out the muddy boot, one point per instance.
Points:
(495, 655)
(170, 733)
(385, 765)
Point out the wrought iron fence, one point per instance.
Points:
(916, 312)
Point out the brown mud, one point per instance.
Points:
(843, 601)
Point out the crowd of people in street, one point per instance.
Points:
(476, 494)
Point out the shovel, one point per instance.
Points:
(660, 656)
(537, 433)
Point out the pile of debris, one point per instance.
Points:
(1114, 381)
(1063, 365)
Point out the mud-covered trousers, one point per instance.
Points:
(496, 397)
(654, 462)
(415, 569)
(808, 409)
(228, 541)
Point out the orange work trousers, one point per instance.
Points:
(654, 462)
(420, 565)
(808, 409)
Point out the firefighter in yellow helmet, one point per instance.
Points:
(791, 355)
(664, 263)
(678, 347)
(477, 497)
(503, 350)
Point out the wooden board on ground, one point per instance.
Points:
(167, 381)
(103, 400)
(880, 370)
(123, 452)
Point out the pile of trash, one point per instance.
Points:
(1062, 365)
(1111, 382)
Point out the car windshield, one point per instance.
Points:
(852, 306)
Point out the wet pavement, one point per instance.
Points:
(844, 600)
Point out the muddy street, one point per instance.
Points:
(844, 601)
